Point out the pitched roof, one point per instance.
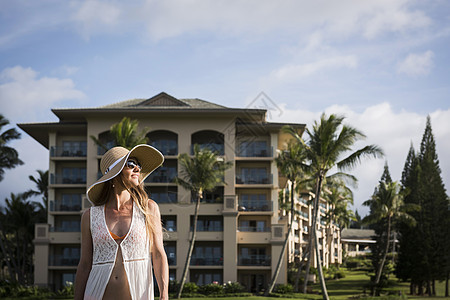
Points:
(357, 234)
(163, 100)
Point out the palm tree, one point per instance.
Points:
(41, 183)
(387, 204)
(16, 240)
(338, 197)
(291, 164)
(327, 143)
(200, 173)
(125, 134)
(9, 157)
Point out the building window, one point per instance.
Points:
(202, 277)
(208, 223)
(207, 254)
(171, 252)
(254, 149)
(169, 223)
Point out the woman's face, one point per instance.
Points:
(132, 171)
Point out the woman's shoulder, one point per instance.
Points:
(152, 205)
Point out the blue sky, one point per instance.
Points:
(384, 64)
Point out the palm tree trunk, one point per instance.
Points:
(316, 239)
(381, 266)
(191, 248)
(283, 250)
(310, 243)
(302, 262)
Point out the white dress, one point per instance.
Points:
(135, 253)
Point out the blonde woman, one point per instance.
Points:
(121, 234)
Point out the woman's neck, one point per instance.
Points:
(119, 199)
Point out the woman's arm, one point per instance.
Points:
(85, 264)
(159, 256)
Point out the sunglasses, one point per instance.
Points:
(131, 164)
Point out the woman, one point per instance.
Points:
(121, 235)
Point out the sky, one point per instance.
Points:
(383, 64)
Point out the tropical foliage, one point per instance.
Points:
(329, 146)
(200, 173)
(124, 133)
(9, 157)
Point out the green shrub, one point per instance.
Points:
(173, 286)
(190, 288)
(284, 289)
(212, 289)
(233, 288)
(339, 274)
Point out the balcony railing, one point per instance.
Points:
(254, 179)
(253, 229)
(163, 175)
(167, 147)
(254, 260)
(214, 147)
(66, 228)
(303, 214)
(74, 205)
(61, 260)
(61, 179)
(61, 151)
(206, 261)
(216, 227)
(255, 205)
(255, 152)
(169, 197)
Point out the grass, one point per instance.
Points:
(352, 286)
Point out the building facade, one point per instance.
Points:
(240, 227)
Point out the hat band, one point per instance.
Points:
(113, 165)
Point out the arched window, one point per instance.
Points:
(165, 141)
(210, 139)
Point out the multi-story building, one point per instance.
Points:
(241, 229)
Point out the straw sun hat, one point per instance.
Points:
(114, 160)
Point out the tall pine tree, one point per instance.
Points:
(424, 249)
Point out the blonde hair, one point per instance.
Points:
(138, 196)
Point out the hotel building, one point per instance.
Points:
(241, 229)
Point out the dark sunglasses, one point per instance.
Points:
(131, 164)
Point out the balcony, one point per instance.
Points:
(254, 205)
(63, 151)
(253, 229)
(166, 147)
(206, 261)
(78, 176)
(254, 150)
(163, 175)
(254, 179)
(71, 226)
(62, 260)
(169, 197)
(254, 260)
(57, 206)
(219, 149)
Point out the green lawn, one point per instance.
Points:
(351, 286)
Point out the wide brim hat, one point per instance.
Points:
(113, 162)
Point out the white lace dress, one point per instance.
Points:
(135, 252)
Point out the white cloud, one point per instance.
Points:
(95, 16)
(24, 93)
(165, 19)
(392, 131)
(416, 64)
(292, 72)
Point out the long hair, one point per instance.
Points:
(138, 196)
